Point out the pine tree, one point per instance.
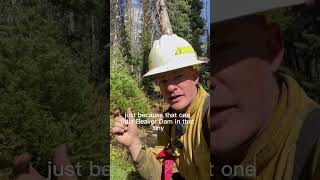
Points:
(197, 25)
(187, 22)
(179, 14)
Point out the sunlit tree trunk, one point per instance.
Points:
(165, 25)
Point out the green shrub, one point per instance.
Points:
(120, 162)
(124, 89)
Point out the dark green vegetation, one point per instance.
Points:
(186, 19)
(301, 30)
(52, 81)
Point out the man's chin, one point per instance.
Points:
(179, 106)
(225, 140)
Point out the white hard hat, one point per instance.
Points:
(169, 53)
(228, 9)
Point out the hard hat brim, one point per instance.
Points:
(222, 10)
(172, 66)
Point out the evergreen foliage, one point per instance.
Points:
(301, 31)
(179, 13)
(146, 38)
(197, 25)
(45, 96)
(186, 20)
(124, 89)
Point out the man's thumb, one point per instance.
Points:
(132, 121)
(60, 156)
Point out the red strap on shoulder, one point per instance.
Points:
(167, 170)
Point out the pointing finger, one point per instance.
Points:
(129, 114)
(132, 123)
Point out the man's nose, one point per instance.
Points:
(171, 87)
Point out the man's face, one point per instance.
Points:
(246, 55)
(178, 87)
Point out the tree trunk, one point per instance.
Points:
(165, 25)
(93, 33)
(71, 18)
(131, 21)
(93, 50)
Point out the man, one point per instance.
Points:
(173, 64)
(260, 123)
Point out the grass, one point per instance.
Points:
(121, 165)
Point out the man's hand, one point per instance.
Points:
(25, 171)
(127, 132)
(32, 175)
(24, 168)
(62, 161)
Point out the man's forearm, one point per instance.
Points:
(146, 163)
(135, 148)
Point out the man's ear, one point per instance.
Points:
(276, 46)
(197, 80)
(277, 60)
(195, 74)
